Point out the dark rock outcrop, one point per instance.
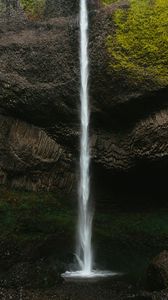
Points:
(39, 90)
(55, 8)
(157, 273)
(31, 159)
(163, 295)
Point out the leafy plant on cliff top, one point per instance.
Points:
(140, 43)
(33, 8)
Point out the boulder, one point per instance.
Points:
(157, 273)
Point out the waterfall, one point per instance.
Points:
(84, 248)
(84, 240)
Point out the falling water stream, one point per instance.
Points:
(84, 249)
(84, 241)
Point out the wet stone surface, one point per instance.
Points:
(72, 291)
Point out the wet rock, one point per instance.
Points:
(149, 296)
(31, 158)
(61, 7)
(39, 86)
(157, 273)
(39, 274)
(139, 297)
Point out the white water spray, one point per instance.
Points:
(84, 246)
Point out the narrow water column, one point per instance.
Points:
(84, 248)
(84, 230)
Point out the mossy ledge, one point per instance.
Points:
(34, 9)
(139, 46)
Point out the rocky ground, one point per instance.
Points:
(71, 291)
(37, 233)
(76, 291)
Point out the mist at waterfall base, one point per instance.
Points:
(84, 255)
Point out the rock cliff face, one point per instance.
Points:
(39, 101)
(61, 8)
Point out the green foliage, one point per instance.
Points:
(2, 7)
(33, 8)
(107, 2)
(140, 43)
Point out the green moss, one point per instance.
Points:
(130, 240)
(2, 7)
(139, 46)
(30, 215)
(150, 224)
(33, 8)
(45, 222)
(33, 214)
(107, 2)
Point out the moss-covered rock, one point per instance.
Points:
(107, 2)
(33, 8)
(2, 7)
(139, 46)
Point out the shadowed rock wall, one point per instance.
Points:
(31, 159)
(39, 101)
